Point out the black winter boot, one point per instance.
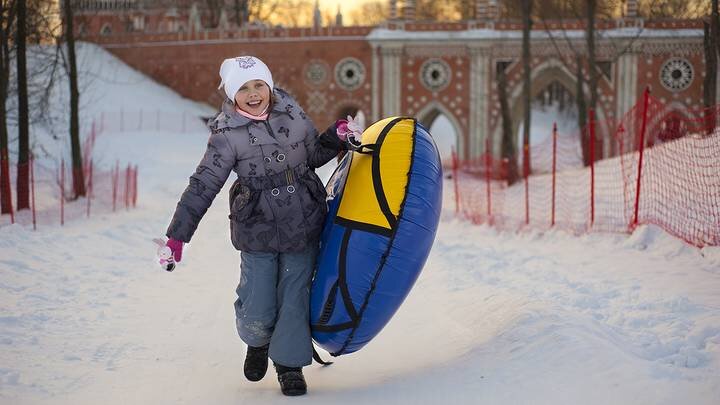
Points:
(291, 379)
(256, 362)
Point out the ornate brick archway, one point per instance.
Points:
(543, 75)
(431, 111)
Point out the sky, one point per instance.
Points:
(345, 5)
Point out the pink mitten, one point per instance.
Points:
(350, 131)
(168, 253)
(176, 246)
(341, 127)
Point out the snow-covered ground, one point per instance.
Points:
(445, 138)
(87, 317)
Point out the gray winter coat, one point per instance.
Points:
(277, 203)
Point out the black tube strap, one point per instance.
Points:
(319, 359)
(341, 285)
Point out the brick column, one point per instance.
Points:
(393, 10)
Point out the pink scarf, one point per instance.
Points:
(261, 117)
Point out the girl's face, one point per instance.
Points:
(253, 97)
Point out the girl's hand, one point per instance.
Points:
(350, 131)
(341, 127)
(169, 252)
(356, 125)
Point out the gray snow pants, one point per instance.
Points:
(273, 304)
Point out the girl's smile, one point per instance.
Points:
(253, 97)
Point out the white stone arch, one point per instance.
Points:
(553, 69)
(427, 115)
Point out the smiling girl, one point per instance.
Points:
(277, 208)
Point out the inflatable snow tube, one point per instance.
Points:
(384, 208)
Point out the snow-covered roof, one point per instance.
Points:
(384, 34)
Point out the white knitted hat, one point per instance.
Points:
(235, 72)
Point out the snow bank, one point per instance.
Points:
(106, 84)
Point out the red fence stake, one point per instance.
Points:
(127, 186)
(592, 166)
(135, 186)
(710, 120)
(641, 146)
(455, 181)
(115, 179)
(32, 191)
(526, 167)
(554, 167)
(5, 161)
(62, 192)
(89, 187)
(488, 178)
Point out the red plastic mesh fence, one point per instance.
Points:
(52, 194)
(664, 170)
(108, 189)
(49, 183)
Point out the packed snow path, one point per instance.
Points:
(88, 317)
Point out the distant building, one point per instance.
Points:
(404, 66)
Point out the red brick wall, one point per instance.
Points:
(192, 70)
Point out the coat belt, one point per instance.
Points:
(281, 179)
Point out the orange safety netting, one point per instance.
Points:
(51, 193)
(662, 167)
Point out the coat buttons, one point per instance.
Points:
(275, 192)
(280, 157)
(290, 189)
(267, 159)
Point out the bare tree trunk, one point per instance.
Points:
(241, 12)
(237, 13)
(7, 17)
(23, 168)
(715, 24)
(582, 109)
(592, 61)
(5, 198)
(214, 7)
(508, 138)
(527, 26)
(78, 177)
(710, 83)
